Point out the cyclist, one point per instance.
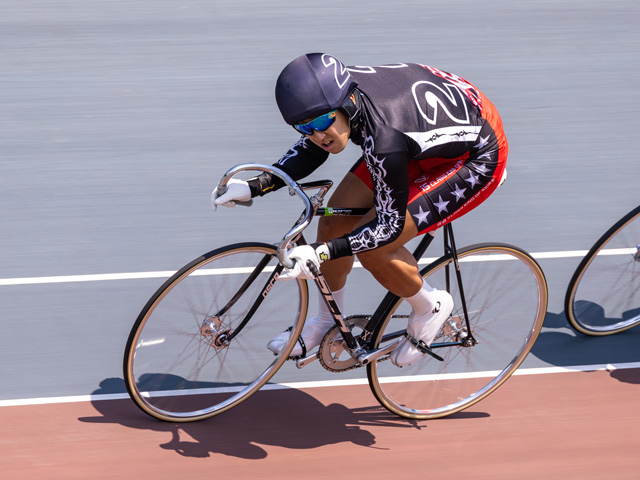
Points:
(433, 148)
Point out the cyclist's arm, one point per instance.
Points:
(391, 194)
(301, 160)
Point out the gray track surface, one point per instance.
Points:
(117, 119)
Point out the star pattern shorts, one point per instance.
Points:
(442, 190)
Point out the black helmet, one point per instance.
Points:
(311, 85)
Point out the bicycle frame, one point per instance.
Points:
(186, 359)
(360, 350)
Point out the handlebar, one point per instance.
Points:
(310, 204)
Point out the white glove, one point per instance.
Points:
(237, 191)
(301, 255)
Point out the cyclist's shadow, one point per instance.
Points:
(287, 418)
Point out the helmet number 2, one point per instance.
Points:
(340, 71)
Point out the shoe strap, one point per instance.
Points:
(423, 347)
(301, 342)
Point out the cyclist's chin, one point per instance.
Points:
(335, 146)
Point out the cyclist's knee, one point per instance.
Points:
(373, 260)
(334, 227)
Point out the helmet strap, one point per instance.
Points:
(351, 104)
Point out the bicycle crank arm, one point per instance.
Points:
(367, 358)
(303, 362)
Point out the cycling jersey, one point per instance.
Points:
(432, 144)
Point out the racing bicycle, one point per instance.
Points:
(199, 346)
(603, 296)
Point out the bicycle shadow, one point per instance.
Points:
(560, 345)
(594, 314)
(286, 418)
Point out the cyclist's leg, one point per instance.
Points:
(392, 265)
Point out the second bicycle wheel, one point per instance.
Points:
(603, 296)
(199, 346)
(506, 299)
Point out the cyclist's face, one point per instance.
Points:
(335, 138)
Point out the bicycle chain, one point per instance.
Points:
(334, 334)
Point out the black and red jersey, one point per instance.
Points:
(407, 113)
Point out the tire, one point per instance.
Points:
(506, 298)
(603, 296)
(177, 365)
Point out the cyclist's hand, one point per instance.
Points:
(237, 191)
(301, 255)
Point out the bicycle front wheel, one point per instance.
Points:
(506, 301)
(199, 346)
(603, 296)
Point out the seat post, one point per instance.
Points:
(426, 240)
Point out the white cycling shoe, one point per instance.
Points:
(312, 333)
(423, 328)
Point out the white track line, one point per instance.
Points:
(168, 273)
(328, 383)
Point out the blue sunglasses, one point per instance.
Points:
(319, 124)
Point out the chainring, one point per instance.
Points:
(332, 353)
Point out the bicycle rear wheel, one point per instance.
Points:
(199, 346)
(603, 296)
(506, 298)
